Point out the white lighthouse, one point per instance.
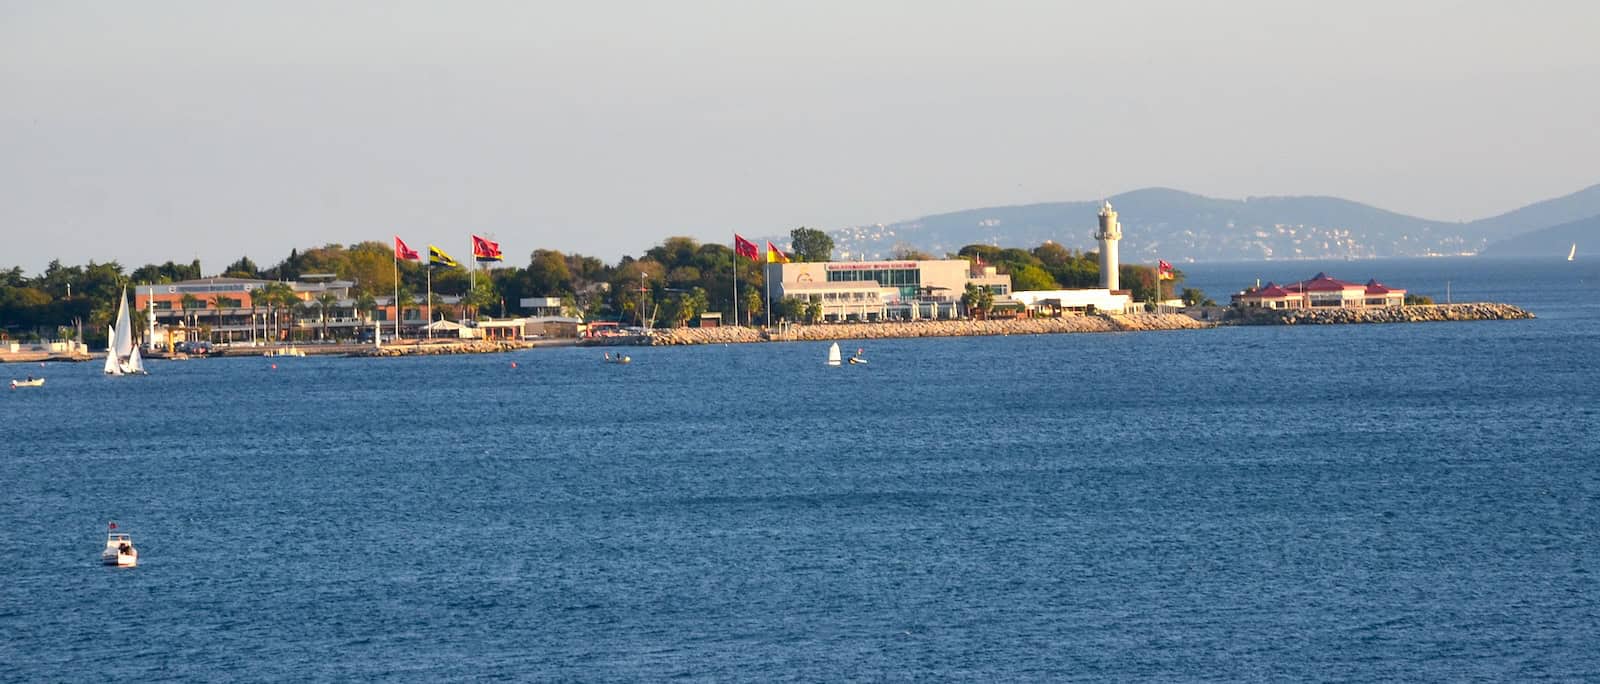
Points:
(1108, 235)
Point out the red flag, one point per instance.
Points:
(113, 526)
(1164, 269)
(485, 250)
(401, 251)
(746, 248)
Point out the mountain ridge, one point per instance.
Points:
(1173, 224)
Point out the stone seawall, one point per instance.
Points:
(1480, 311)
(440, 348)
(874, 331)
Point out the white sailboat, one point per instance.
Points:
(1572, 252)
(122, 356)
(833, 354)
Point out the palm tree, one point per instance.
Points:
(813, 311)
(221, 301)
(257, 297)
(186, 306)
(287, 302)
(326, 301)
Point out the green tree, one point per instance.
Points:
(186, 306)
(1194, 297)
(547, 274)
(751, 305)
(366, 303)
(289, 304)
(810, 244)
(1032, 277)
(813, 311)
(977, 299)
(243, 268)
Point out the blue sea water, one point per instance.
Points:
(1360, 503)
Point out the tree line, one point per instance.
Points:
(669, 284)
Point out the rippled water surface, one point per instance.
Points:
(1360, 502)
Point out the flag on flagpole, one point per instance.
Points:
(401, 251)
(437, 257)
(746, 248)
(1164, 269)
(775, 255)
(485, 250)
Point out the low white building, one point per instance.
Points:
(1106, 301)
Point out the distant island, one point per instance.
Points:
(1162, 223)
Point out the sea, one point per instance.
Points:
(1363, 503)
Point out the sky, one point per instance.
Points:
(157, 130)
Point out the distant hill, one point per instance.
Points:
(1538, 216)
(1180, 226)
(1553, 242)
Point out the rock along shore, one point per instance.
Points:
(1479, 311)
(878, 331)
(441, 348)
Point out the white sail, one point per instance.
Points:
(124, 331)
(833, 354)
(1573, 252)
(135, 363)
(112, 367)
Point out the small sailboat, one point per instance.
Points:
(1572, 252)
(30, 382)
(122, 355)
(857, 359)
(119, 549)
(833, 354)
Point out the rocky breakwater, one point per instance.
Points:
(441, 348)
(901, 329)
(719, 335)
(1480, 311)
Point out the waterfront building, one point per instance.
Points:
(880, 290)
(1075, 301)
(1321, 291)
(227, 309)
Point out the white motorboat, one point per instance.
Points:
(619, 358)
(30, 382)
(119, 549)
(286, 351)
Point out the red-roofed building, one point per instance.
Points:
(1321, 292)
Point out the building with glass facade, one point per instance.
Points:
(881, 290)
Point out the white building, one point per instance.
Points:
(1079, 301)
(877, 290)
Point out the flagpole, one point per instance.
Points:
(429, 304)
(736, 280)
(472, 276)
(766, 274)
(396, 297)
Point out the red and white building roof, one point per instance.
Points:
(1321, 291)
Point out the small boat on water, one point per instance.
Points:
(857, 359)
(122, 355)
(619, 358)
(30, 382)
(286, 351)
(119, 549)
(833, 354)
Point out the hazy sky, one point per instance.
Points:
(147, 131)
